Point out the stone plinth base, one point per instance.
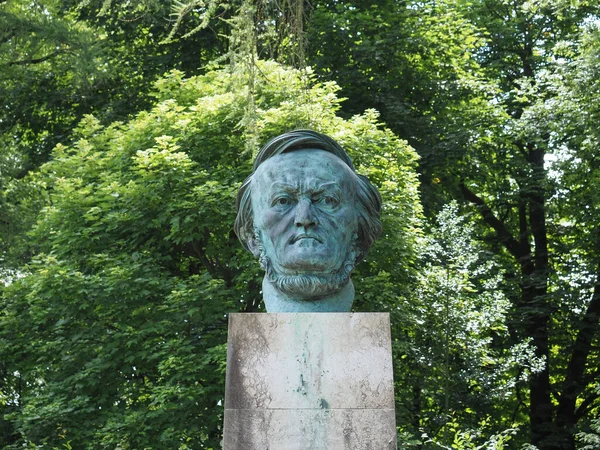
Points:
(318, 381)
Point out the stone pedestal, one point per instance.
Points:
(309, 381)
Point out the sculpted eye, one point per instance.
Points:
(282, 202)
(329, 201)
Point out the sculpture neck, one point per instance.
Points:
(278, 302)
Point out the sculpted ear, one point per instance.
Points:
(253, 246)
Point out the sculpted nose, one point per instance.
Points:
(304, 214)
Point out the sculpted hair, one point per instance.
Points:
(368, 197)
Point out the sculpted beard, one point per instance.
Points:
(311, 286)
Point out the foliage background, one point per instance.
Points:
(126, 128)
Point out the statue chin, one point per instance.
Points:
(308, 286)
(308, 292)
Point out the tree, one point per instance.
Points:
(521, 204)
(574, 112)
(62, 60)
(411, 61)
(116, 337)
(459, 370)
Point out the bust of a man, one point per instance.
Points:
(308, 217)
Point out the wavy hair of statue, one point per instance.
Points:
(368, 197)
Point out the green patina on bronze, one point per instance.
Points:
(308, 217)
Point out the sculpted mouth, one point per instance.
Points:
(299, 237)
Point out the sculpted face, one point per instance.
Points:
(308, 217)
(304, 210)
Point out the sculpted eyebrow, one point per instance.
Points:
(279, 186)
(331, 186)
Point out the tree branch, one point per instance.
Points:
(502, 232)
(574, 379)
(523, 228)
(24, 62)
(11, 34)
(585, 405)
(591, 377)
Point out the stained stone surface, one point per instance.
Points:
(303, 429)
(309, 381)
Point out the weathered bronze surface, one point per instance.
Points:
(308, 217)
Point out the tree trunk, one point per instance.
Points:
(533, 307)
(540, 404)
(538, 311)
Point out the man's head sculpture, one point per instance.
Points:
(309, 217)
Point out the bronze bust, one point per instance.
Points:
(308, 217)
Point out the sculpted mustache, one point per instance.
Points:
(304, 236)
